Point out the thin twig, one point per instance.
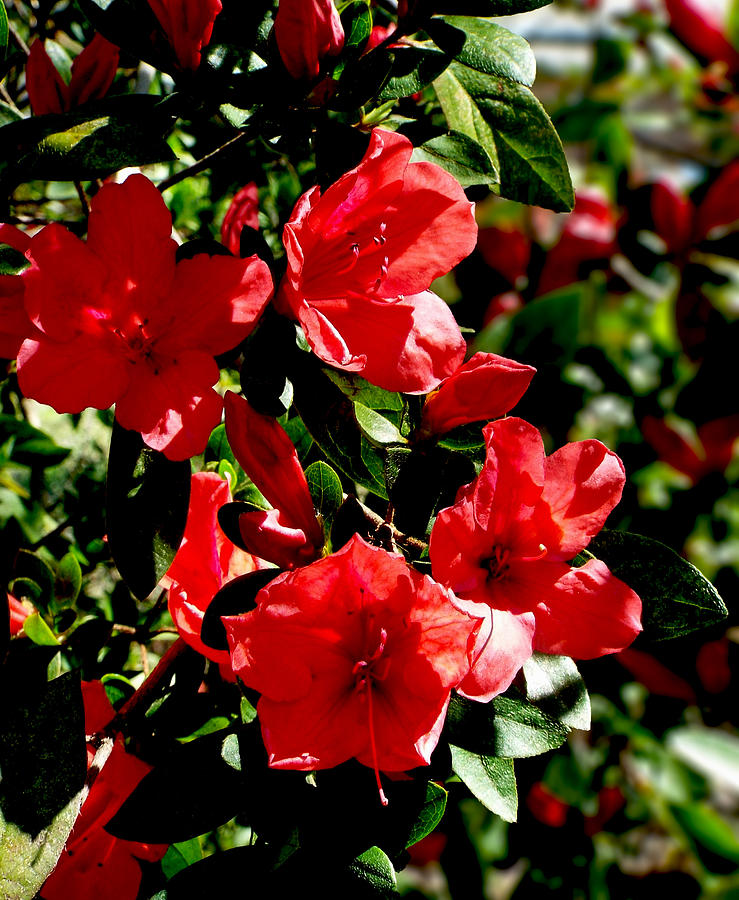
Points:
(200, 165)
(23, 46)
(83, 198)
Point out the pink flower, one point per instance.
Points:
(92, 75)
(485, 387)
(188, 25)
(125, 325)
(306, 31)
(93, 863)
(354, 656)
(290, 534)
(361, 257)
(243, 212)
(205, 562)
(504, 549)
(15, 326)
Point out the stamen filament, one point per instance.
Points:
(373, 747)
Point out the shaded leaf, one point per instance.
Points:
(555, 686)
(459, 155)
(485, 47)
(325, 488)
(491, 780)
(412, 68)
(676, 598)
(147, 501)
(68, 579)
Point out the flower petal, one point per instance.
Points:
(503, 648)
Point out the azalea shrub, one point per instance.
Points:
(353, 462)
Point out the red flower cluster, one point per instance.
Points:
(92, 75)
(361, 258)
(126, 325)
(504, 549)
(95, 864)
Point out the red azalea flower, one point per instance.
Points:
(205, 561)
(92, 75)
(698, 27)
(485, 387)
(354, 656)
(673, 216)
(360, 260)
(15, 326)
(126, 326)
(306, 31)
(504, 546)
(290, 534)
(711, 451)
(546, 806)
(507, 250)
(188, 25)
(93, 863)
(719, 208)
(19, 612)
(242, 213)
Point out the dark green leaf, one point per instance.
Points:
(31, 447)
(485, 47)
(32, 567)
(374, 874)
(68, 579)
(676, 598)
(218, 447)
(8, 114)
(483, 7)
(412, 69)
(325, 488)
(147, 500)
(191, 790)
(235, 597)
(359, 390)
(3, 32)
(362, 80)
(507, 120)
(556, 687)
(430, 815)
(12, 261)
(356, 19)
(491, 780)
(121, 131)
(43, 761)
(459, 155)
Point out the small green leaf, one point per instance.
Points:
(68, 580)
(356, 19)
(491, 780)
(180, 856)
(485, 47)
(374, 874)
(39, 632)
(411, 70)
(459, 155)
(506, 119)
(555, 686)
(147, 501)
(12, 261)
(676, 598)
(376, 427)
(230, 752)
(3, 32)
(325, 488)
(708, 829)
(430, 815)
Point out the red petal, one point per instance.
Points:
(14, 238)
(306, 31)
(503, 649)
(213, 304)
(188, 25)
(587, 612)
(584, 481)
(719, 206)
(70, 376)
(268, 537)
(673, 214)
(47, 92)
(93, 71)
(173, 406)
(243, 212)
(15, 326)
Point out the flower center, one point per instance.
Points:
(366, 671)
(497, 563)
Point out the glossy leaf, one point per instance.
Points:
(68, 580)
(3, 32)
(39, 632)
(376, 427)
(147, 500)
(325, 488)
(677, 599)
(491, 780)
(555, 686)
(459, 155)
(507, 120)
(485, 46)
(484, 7)
(412, 68)
(430, 815)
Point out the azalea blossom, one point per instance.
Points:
(485, 387)
(354, 656)
(205, 561)
(306, 31)
(19, 612)
(505, 547)
(361, 257)
(125, 325)
(289, 534)
(188, 25)
(243, 212)
(93, 863)
(710, 450)
(93, 72)
(15, 326)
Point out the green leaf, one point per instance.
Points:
(711, 752)
(556, 687)
(30, 567)
(31, 446)
(459, 155)
(507, 120)
(485, 47)
(325, 488)
(374, 874)
(39, 632)
(430, 815)
(708, 829)
(147, 500)
(376, 427)
(3, 32)
(43, 761)
(676, 598)
(180, 856)
(120, 131)
(732, 23)
(359, 390)
(491, 780)
(8, 114)
(68, 580)
(12, 261)
(356, 19)
(486, 7)
(411, 70)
